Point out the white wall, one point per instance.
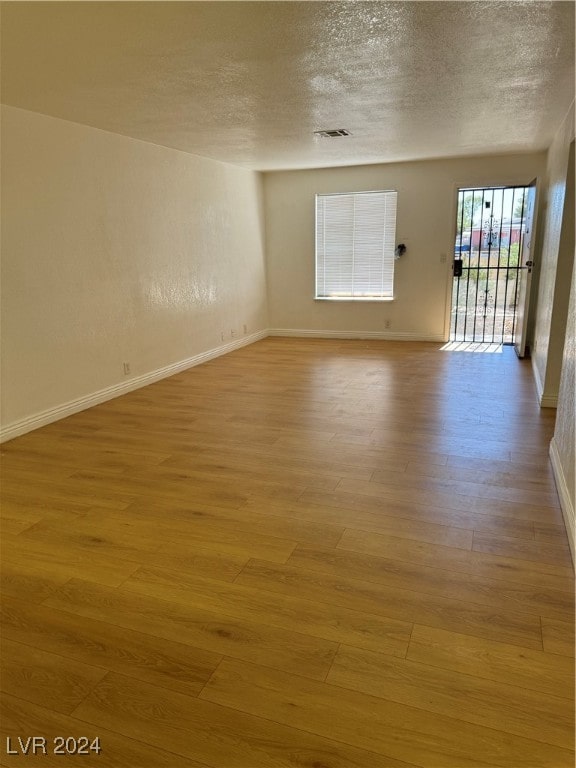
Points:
(117, 250)
(555, 268)
(562, 449)
(554, 356)
(425, 222)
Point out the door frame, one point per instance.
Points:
(526, 290)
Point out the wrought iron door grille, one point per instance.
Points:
(487, 262)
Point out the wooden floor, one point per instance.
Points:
(305, 554)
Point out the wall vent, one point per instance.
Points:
(333, 134)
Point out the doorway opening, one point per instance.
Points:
(490, 229)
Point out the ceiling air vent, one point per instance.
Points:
(333, 134)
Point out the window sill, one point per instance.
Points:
(352, 298)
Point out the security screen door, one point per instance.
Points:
(492, 264)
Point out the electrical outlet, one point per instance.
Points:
(232, 334)
(387, 324)
(245, 329)
(222, 335)
(442, 258)
(126, 369)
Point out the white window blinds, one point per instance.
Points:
(355, 240)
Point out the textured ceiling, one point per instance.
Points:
(249, 82)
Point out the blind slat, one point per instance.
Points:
(355, 240)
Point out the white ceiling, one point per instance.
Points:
(249, 82)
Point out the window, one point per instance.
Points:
(355, 237)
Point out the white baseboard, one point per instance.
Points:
(50, 415)
(384, 335)
(545, 400)
(549, 401)
(566, 501)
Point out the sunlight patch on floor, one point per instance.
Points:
(472, 346)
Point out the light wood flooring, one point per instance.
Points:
(305, 554)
